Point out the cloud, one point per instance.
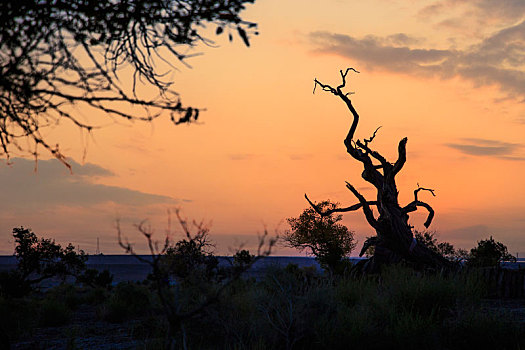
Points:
(498, 59)
(300, 156)
(491, 148)
(241, 156)
(52, 185)
(484, 9)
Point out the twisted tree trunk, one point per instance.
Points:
(394, 241)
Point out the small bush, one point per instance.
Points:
(489, 253)
(94, 278)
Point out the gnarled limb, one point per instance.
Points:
(369, 215)
(370, 242)
(413, 207)
(417, 203)
(369, 140)
(344, 96)
(419, 188)
(384, 163)
(402, 157)
(337, 210)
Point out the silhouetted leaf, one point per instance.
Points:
(230, 37)
(242, 34)
(219, 30)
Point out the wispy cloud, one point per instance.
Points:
(300, 156)
(498, 59)
(53, 185)
(483, 9)
(491, 148)
(241, 156)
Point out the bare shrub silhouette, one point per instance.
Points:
(193, 266)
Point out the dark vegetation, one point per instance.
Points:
(190, 301)
(322, 236)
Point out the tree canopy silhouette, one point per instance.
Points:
(55, 54)
(395, 240)
(322, 236)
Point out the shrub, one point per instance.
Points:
(489, 253)
(322, 236)
(94, 278)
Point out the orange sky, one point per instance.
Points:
(448, 74)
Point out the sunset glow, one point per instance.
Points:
(447, 74)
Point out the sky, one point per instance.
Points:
(447, 74)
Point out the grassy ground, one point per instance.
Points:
(289, 308)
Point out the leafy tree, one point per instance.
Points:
(39, 259)
(43, 258)
(321, 235)
(58, 54)
(489, 253)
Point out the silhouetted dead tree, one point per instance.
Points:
(394, 241)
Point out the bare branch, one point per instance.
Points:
(384, 163)
(370, 242)
(413, 207)
(366, 208)
(419, 188)
(337, 92)
(367, 141)
(337, 210)
(417, 203)
(402, 157)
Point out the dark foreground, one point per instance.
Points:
(285, 307)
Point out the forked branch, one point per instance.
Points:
(344, 96)
(419, 188)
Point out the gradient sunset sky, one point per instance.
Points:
(447, 74)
